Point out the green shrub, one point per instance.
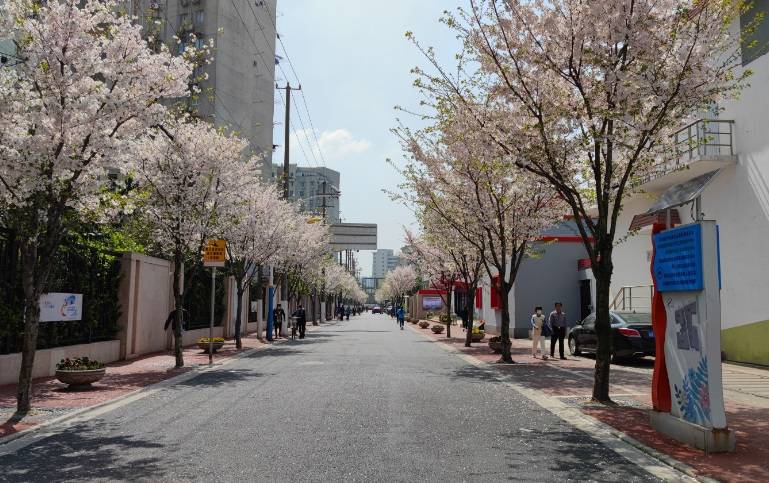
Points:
(78, 364)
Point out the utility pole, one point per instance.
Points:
(286, 158)
(323, 200)
(286, 131)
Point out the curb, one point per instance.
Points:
(134, 395)
(652, 453)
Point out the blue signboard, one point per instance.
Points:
(678, 259)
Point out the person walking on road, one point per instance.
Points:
(557, 322)
(278, 315)
(401, 316)
(538, 333)
(347, 312)
(301, 320)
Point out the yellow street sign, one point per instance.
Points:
(215, 253)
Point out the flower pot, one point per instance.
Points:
(204, 346)
(477, 337)
(424, 324)
(79, 380)
(437, 329)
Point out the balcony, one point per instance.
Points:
(700, 147)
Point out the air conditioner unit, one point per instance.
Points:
(155, 5)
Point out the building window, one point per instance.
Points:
(200, 17)
(754, 26)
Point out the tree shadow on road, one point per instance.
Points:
(474, 375)
(83, 453)
(218, 378)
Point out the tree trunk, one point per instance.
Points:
(469, 308)
(32, 291)
(504, 332)
(603, 332)
(448, 313)
(178, 308)
(238, 319)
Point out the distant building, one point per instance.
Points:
(306, 185)
(384, 261)
(240, 89)
(370, 285)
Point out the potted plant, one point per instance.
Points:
(437, 328)
(203, 343)
(477, 335)
(446, 319)
(80, 372)
(424, 324)
(495, 344)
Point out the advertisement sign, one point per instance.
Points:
(215, 253)
(693, 321)
(678, 259)
(432, 302)
(59, 307)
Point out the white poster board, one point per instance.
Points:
(60, 307)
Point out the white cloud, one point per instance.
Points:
(335, 145)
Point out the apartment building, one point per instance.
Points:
(239, 91)
(306, 185)
(384, 261)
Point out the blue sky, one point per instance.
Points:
(353, 60)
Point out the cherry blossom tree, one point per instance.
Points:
(193, 174)
(398, 282)
(456, 177)
(88, 86)
(585, 95)
(254, 238)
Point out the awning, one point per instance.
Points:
(683, 193)
(646, 219)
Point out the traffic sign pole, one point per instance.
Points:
(215, 255)
(211, 323)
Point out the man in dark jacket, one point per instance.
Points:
(301, 320)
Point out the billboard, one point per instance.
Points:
(353, 236)
(432, 302)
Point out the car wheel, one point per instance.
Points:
(574, 347)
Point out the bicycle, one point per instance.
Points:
(292, 325)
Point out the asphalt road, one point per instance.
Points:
(358, 401)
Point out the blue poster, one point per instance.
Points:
(678, 259)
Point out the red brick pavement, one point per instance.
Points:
(571, 381)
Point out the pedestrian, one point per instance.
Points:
(557, 322)
(401, 316)
(347, 312)
(538, 329)
(301, 320)
(277, 317)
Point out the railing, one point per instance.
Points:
(634, 298)
(701, 138)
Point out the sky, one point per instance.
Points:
(354, 62)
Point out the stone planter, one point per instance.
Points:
(424, 324)
(477, 337)
(437, 329)
(204, 346)
(80, 380)
(495, 346)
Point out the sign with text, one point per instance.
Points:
(61, 307)
(678, 259)
(215, 253)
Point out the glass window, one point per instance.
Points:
(200, 17)
(184, 19)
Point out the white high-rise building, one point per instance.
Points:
(384, 261)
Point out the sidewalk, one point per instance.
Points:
(51, 399)
(571, 382)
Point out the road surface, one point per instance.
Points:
(357, 401)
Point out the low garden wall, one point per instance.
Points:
(46, 359)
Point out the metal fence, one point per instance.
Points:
(79, 266)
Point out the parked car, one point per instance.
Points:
(376, 310)
(632, 335)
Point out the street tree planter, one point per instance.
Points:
(79, 373)
(424, 324)
(217, 344)
(437, 329)
(477, 336)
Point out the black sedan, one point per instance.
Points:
(632, 335)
